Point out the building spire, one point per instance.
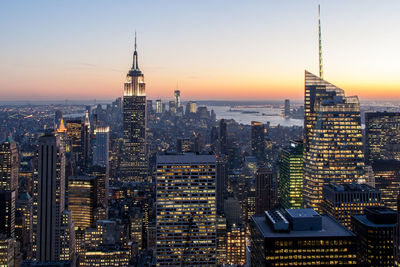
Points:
(135, 65)
(320, 43)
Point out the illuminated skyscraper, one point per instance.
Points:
(8, 165)
(382, 136)
(333, 149)
(75, 134)
(291, 176)
(186, 210)
(133, 166)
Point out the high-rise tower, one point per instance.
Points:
(333, 148)
(133, 165)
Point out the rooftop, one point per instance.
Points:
(182, 158)
(330, 228)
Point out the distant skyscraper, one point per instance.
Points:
(159, 108)
(343, 201)
(133, 166)
(265, 191)
(186, 210)
(333, 149)
(287, 108)
(396, 238)
(258, 141)
(50, 198)
(291, 176)
(374, 232)
(172, 107)
(191, 107)
(101, 148)
(177, 97)
(382, 136)
(75, 134)
(57, 117)
(223, 136)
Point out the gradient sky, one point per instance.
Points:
(213, 49)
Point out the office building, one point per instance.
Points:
(101, 148)
(106, 256)
(387, 181)
(186, 210)
(236, 245)
(7, 212)
(49, 199)
(184, 145)
(133, 166)
(75, 132)
(257, 141)
(177, 98)
(287, 113)
(265, 190)
(396, 238)
(191, 107)
(333, 148)
(82, 200)
(343, 201)
(7, 251)
(300, 237)
(159, 108)
(221, 183)
(223, 137)
(382, 136)
(291, 176)
(374, 232)
(8, 165)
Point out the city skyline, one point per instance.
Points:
(261, 56)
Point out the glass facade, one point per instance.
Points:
(291, 176)
(333, 147)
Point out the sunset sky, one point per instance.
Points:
(211, 49)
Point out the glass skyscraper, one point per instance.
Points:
(333, 149)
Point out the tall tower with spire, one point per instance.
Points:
(321, 73)
(333, 148)
(134, 163)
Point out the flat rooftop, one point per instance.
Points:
(186, 158)
(302, 213)
(330, 228)
(364, 220)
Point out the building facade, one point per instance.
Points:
(382, 136)
(186, 210)
(291, 176)
(333, 147)
(343, 201)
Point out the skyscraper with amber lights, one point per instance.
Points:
(133, 166)
(333, 148)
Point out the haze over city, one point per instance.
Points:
(227, 50)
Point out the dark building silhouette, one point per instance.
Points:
(265, 190)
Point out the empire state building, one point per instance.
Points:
(133, 164)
